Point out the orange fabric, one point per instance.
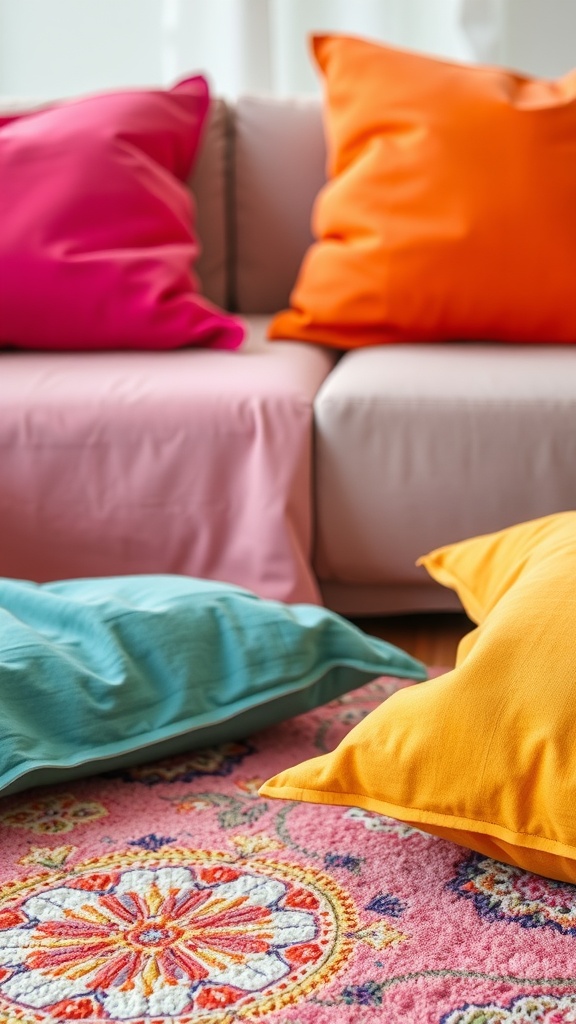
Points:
(450, 210)
(485, 755)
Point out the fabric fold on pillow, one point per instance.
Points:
(97, 674)
(450, 207)
(97, 245)
(485, 755)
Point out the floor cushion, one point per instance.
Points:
(484, 755)
(100, 673)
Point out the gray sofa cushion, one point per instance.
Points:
(418, 446)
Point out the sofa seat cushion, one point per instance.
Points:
(193, 462)
(417, 446)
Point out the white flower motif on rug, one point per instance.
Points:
(181, 939)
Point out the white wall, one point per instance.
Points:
(541, 35)
(428, 25)
(52, 48)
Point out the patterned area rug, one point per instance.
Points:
(173, 893)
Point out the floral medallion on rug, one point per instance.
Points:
(172, 893)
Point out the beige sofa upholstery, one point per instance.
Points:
(401, 448)
(421, 445)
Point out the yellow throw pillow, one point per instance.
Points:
(485, 755)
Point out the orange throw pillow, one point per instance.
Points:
(450, 210)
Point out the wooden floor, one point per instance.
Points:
(431, 637)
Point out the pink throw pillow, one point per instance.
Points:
(97, 238)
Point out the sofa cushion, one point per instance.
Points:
(451, 204)
(279, 166)
(417, 445)
(192, 461)
(97, 241)
(485, 755)
(100, 673)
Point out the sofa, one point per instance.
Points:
(297, 471)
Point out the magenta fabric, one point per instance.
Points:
(97, 243)
(191, 461)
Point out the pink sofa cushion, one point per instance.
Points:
(97, 241)
(191, 462)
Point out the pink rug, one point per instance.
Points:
(173, 893)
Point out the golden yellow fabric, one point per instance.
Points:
(485, 755)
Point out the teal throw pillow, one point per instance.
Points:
(97, 674)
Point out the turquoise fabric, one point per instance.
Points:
(100, 673)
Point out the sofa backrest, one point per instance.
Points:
(209, 184)
(279, 164)
(262, 163)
